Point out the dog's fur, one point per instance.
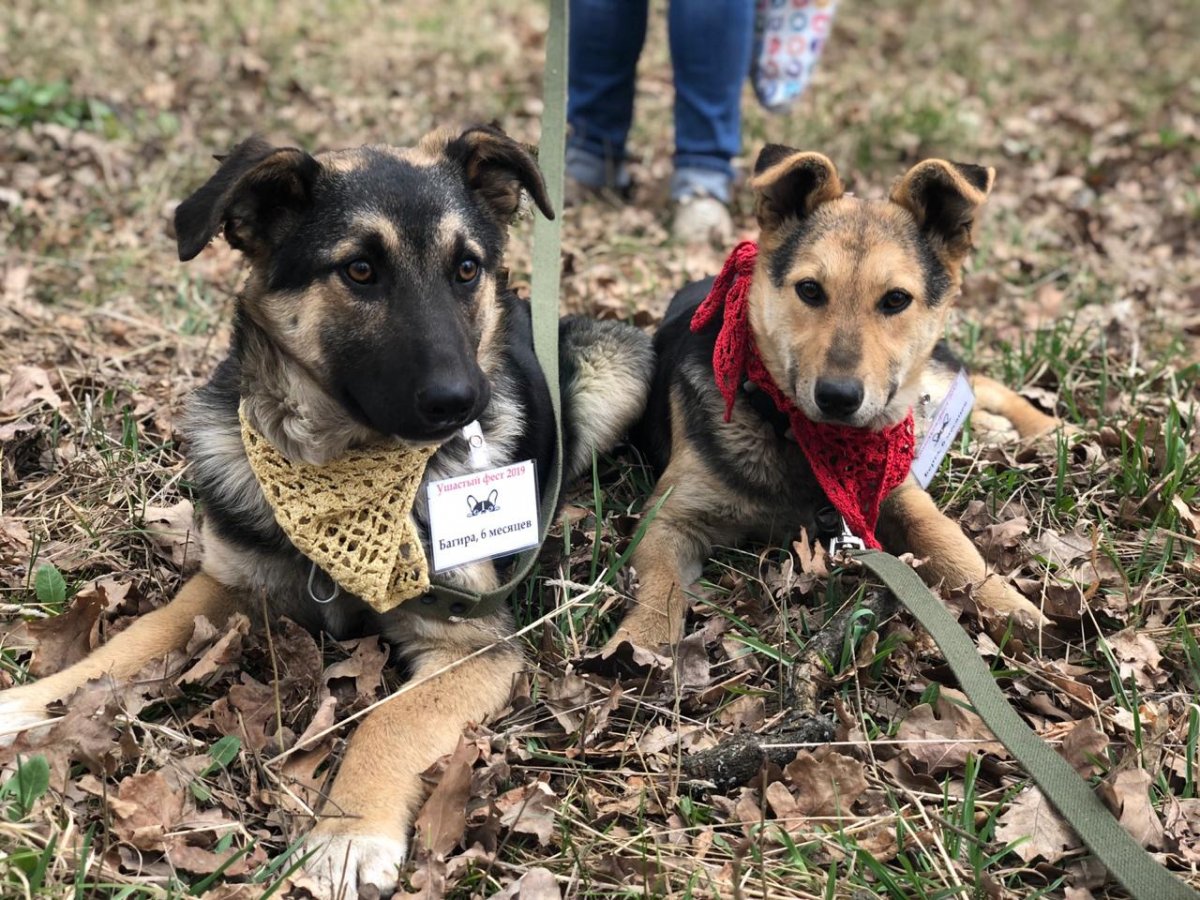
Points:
(745, 478)
(324, 364)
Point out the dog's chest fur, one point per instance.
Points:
(245, 549)
(769, 490)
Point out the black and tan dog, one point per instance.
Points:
(847, 303)
(375, 311)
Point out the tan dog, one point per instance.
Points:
(375, 314)
(847, 305)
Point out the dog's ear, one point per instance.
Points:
(945, 197)
(497, 168)
(790, 183)
(255, 188)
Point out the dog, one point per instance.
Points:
(375, 312)
(847, 303)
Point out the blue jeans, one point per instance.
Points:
(711, 43)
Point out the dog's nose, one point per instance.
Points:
(839, 398)
(447, 404)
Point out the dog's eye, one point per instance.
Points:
(468, 271)
(810, 292)
(360, 271)
(894, 302)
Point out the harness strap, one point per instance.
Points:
(1124, 858)
(547, 271)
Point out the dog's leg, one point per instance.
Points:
(671, 554)
(666, 561)
(363, 836)
(149, 638)
(996, 399)
(910, 522)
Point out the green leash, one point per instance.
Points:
(450, 602)
(1133, 867)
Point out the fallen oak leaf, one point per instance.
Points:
(625, 659)
(1084, 747)
(1035, 828)
(300, 776)
(248, 711)
(1061, 549)
(942, 736)
(1128, 795)
(172, 532)
(568, 697)
(999, 542)
(1188, 517)
(68, 637)
(1183, 826)
(200, 861)
(1138, 658)
(779, 798)
(536, 884)
(443, 817)
(28, 387)
(145, 810)
(364, 669)
(827, 783)
(15, 540)
(221, 648)
(529, 809)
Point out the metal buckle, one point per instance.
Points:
(312, 577)
(846, 541)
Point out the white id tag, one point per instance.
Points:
(943, 428)
(483, 515)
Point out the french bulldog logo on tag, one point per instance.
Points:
(486, 505)
(940, 429)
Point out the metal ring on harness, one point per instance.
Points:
(312, 577)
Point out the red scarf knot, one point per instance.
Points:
(855, 467)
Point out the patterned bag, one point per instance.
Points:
(788, 38)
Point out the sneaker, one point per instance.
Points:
(702, 219)
(589, 175)
(701, 198)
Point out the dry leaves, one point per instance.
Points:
(66, 638)
(1128, 795)
(940, 737)
(25, 389)
(826, 784)
(172, 529)
(1036, 828)
(1090, 231)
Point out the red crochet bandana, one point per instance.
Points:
(856, 468)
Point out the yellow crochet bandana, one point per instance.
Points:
(352, 516)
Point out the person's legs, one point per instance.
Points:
(711, 44)
(605, 41)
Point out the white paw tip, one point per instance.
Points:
(16, 717)
(341, 863)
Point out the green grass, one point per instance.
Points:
(25, 103)
(1032, 94)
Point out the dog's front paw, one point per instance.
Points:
(18, 715)
(655, 639)
(1002, 599)
(342, 861)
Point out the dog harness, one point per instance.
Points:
(855, 467)
(351, 516)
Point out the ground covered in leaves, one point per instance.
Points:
(1085, 293)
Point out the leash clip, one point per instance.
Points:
(477, 445)
(312, 591)
(846, 541)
